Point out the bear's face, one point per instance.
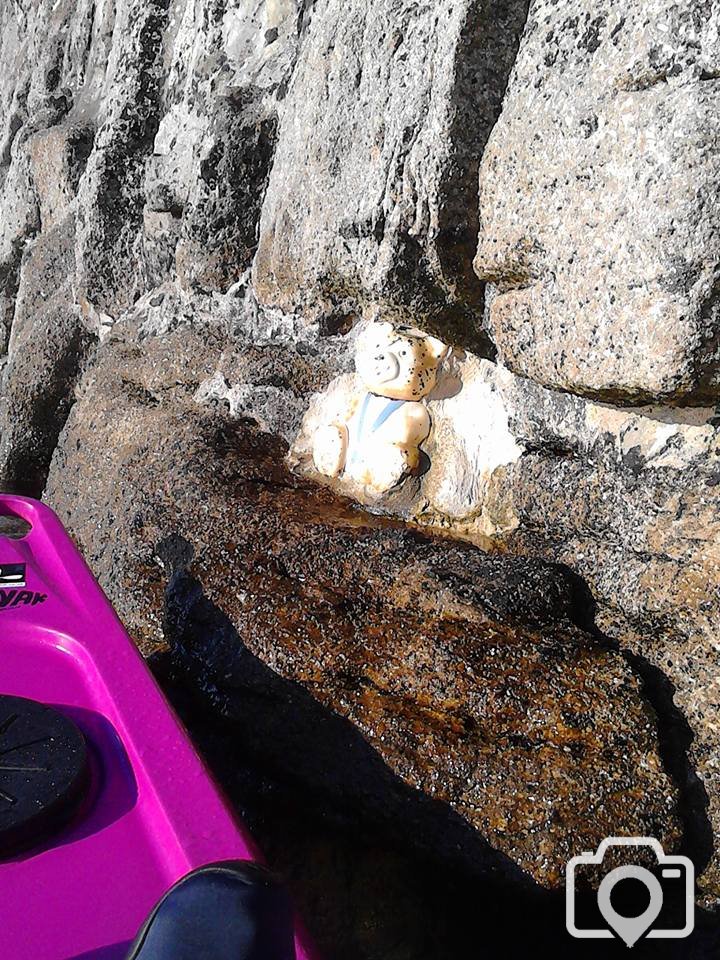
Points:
(397, 361)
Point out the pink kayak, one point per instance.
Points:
(133, 809)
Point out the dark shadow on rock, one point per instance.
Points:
(675, 735)
(497, 26)
(379, 870)
(298, 738)
(449, 383)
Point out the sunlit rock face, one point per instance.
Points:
(599, 202)
(372, 197)
(135, 145)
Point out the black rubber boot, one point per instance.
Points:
(224, 911)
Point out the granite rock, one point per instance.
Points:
(626, 497)
(166, 165)
(532, 736)
(135, 144)
(372, 200)
(599, 202)
(48, 346)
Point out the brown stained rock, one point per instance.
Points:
(626, 497)
(462, 674)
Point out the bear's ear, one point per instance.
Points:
(381, 328)
(374, 334)
(438, 350)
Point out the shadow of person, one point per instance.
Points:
(292, 732)
(378, 868)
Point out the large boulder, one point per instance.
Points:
(373, 192)
(463, 676)
(629, 498)
(599, 202)
(47, 348)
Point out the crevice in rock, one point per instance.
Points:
(81, 141)
(9, 285)
(112, 210)
(707, 362)
(675, 735)
(304, 14)
(16, 119)
(87, 46)
(497, 27)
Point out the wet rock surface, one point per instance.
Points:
(463, 675)
(366, 891)
(626, 497)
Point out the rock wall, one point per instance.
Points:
(136, 145)
(201, 205)
(599, 202)
(372, 200)
(273, 584)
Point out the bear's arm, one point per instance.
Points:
(417, 421)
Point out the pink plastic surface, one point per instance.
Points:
(154, 813)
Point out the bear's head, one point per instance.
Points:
(398, 362)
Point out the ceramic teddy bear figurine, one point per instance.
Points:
(378, 443)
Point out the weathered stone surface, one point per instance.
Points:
(214, 145)
(135, 143)
(135, 110)
(463, 672)
(599, 202)
(373, 192)
(629, 498)
(48, 345)
(363, 894)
